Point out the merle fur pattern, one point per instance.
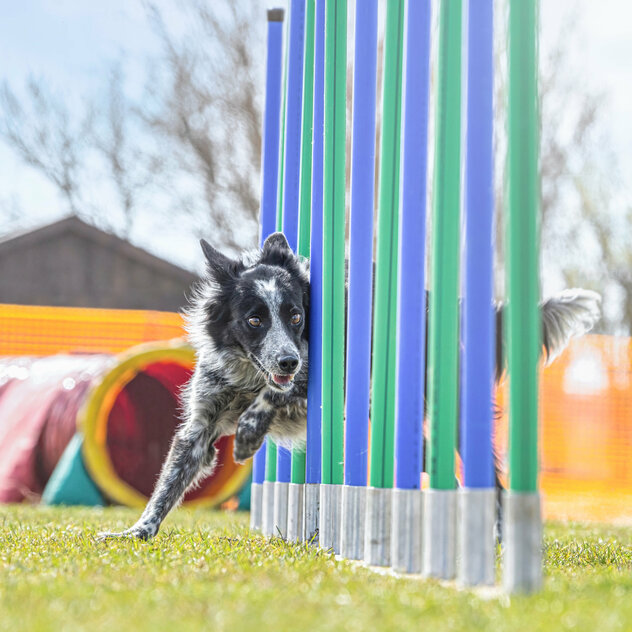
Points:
(248, 322)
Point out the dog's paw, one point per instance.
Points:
(139, 532)
(247, 442)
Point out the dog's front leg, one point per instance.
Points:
(253, 425)
(190, 451)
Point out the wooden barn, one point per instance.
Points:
(71, 263)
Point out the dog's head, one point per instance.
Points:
(258, 309)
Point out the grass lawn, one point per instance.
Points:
(205, 571)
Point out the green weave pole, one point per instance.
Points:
(385, 318)
(523, 331)
(334, 240)
(444, 304)
(305, 199)
(271, 460)
(271, 448)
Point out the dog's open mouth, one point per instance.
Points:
(275, 380)
(281, 382)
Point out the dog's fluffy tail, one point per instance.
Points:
(566, 315)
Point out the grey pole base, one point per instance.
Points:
(439, 539)
(280, 509)
(522, 548)
(256, 500)
(295, 513)
(267, 508)
(377, 527)
(476, 559)
(352, 529)
(330, 500)
(311, 513)
(406, 530)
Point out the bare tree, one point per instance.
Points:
(205, 113)
(11, 211)
(583, 223)
(44, 134)
(581, 226)
(116, 139)
(66, 145)
(193, 139)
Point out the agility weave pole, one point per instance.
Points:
(406, 541)
(523, 564)
(476, 543)
(358, 369)
(359, 483)
(297, 484)
(384, 355)
(288, 208)
(269, 182)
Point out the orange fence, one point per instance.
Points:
(586, 431)
(41, 331)
(586, 399)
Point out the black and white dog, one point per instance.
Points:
(248, 324)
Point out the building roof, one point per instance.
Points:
(74, 225)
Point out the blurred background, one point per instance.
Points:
(129, 129)
(144, 119)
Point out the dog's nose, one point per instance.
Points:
(287, 363)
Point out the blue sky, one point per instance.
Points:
(73, 43)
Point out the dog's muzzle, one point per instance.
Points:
(288, 364)
(281, 382)
(284, 380)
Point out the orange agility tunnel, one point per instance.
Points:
(94, 428)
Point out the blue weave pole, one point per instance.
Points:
(284, 465)
(477, 499)
(478, 322)
(412, 294)
(313, 462)
(262, 494)
(292, 161)
(358, 369)
(270, 163)
(411, 325)
(293, 120)
(361, 245)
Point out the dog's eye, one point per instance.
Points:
(254, 321)
(296, 319)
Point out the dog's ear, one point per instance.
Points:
(276, 241)
(276, 251)
(218, 265)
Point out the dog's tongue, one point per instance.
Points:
(282, 379)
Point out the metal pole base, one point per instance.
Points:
(256, 501)
(439, 545)
(353, 512)
(280, 509)
(267, 508)
(311, 513)
(476, 541)
(406, 530)
(377, 527)
(295, 513)
(330, 499)
(522, 549)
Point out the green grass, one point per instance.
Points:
(205, 571)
